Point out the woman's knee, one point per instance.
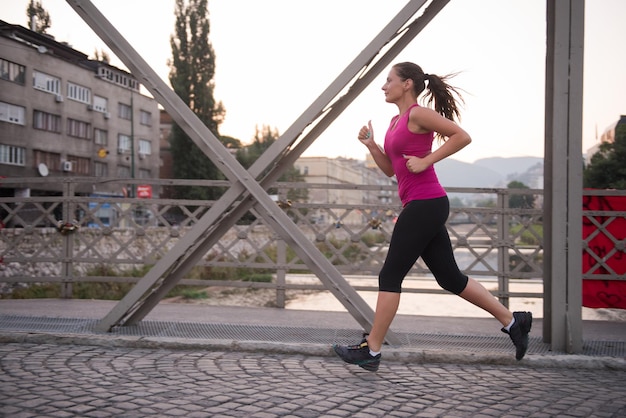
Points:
(453, 283)
(389, 284)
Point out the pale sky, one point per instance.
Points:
(274, 57)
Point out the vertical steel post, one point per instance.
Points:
(503, 249)
(281, 279)
(563, 176)
(68, 241)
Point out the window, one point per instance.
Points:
(78, 129)
(45, 82)
(144, 174)
(124, 111)
(80, 165)
(123, 143)
(145, 147)
(118, 78)
(11, 71)
(100, 169)
(47, 121)
(145, 118)
(78, 93)
(123, 171)
(12, 155)
(100, 137)
(52, 160)
(12, 113)
(100, 104)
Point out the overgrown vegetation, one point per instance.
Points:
(527, 237)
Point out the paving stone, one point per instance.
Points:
(93, 381)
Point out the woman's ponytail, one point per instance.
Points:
(443, 96)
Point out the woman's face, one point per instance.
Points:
(394, 87)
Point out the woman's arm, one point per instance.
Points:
(423, 119)
(366, 136)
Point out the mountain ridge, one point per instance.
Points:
(485, 172)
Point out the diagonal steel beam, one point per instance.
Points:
(195, 129)
(217, 231)
(220, 156)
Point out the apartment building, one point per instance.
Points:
(324, 170)
(62, 114)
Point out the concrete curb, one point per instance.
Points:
(399, 355)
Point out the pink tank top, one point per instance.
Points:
(399, 141)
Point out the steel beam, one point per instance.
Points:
(288, 159)
(242, 180)
(563, 176)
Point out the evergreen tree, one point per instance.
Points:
(521, 201)
(192, 69)
(39, 16)
(607, 168)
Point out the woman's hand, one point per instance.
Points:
(366, 134)
(415, 164)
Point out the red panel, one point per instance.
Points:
(604, 293)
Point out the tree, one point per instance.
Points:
(230, 142)
(101, 55)
(192, 69)
(456, 202)
(607, 170)
(521, 201)
(38, 18)
(263, 139)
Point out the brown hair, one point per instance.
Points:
(440, 93)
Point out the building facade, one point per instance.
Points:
(324, 170)
(62, 114)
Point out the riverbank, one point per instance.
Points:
(424, 304)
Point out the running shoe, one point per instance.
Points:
(358, 354)
(519, 332)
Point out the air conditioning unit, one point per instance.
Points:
(121, 150)
(142, 155)
(67, 166)
(89, 107)
(107, 115)
(58, 98)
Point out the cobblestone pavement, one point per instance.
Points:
(93, 381)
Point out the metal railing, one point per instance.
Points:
(75, 236)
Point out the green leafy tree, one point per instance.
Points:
(607, 168)
(521, 201)
(456, 202)
(231, 143)
(192, 69)
(263, 139)
(38, 17)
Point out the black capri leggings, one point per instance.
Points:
(421, 231)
